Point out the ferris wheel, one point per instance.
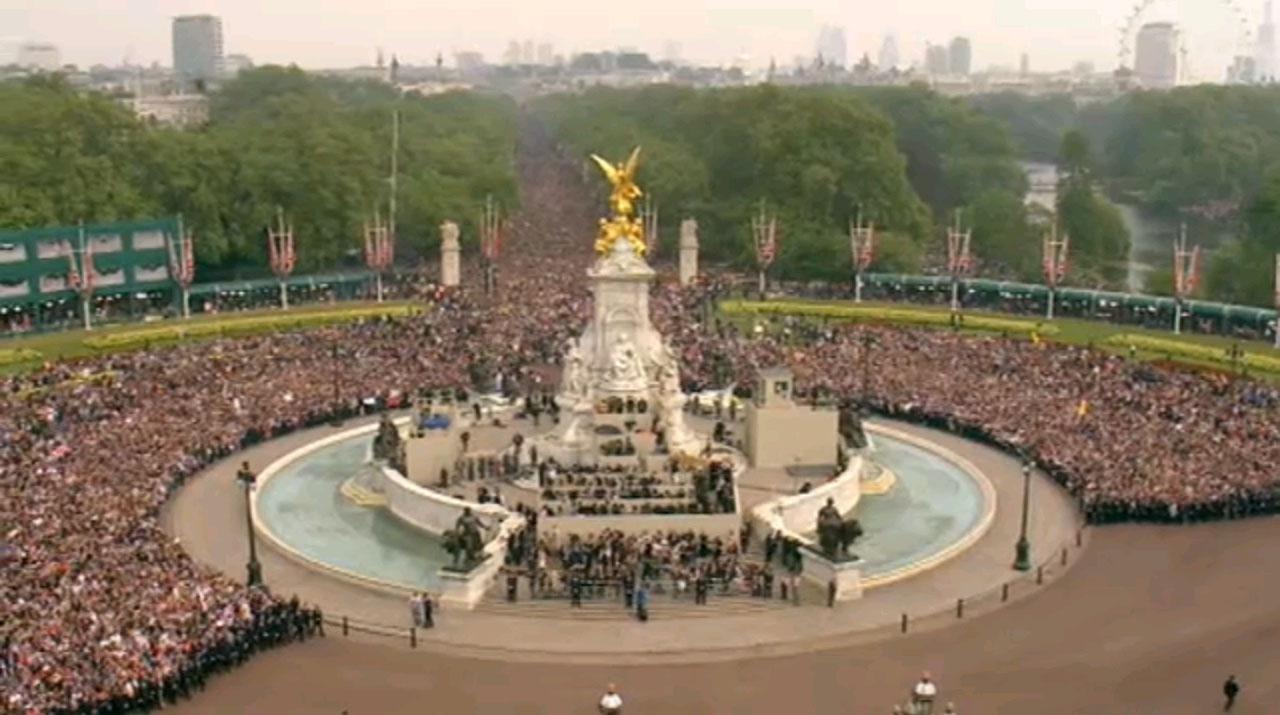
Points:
(1234, 36)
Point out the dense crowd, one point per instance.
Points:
(99, 606)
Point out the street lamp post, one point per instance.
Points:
(1022, 552)
(336, 418)
(247, 479)
(867, 341)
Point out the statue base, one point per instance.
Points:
(467, 588)
(819, 570)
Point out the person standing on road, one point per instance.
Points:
(611, 703)
(923, 694)
(1230, 689)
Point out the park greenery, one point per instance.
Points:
(905, 157)
(317, 147)
(1207, 155)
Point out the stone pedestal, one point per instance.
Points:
(821, 572)
(450, 255)
(688, 251)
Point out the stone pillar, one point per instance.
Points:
(450, 255)
(688, 251)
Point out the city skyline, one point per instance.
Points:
(711, 32)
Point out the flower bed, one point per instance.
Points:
(1188, 350)
(142, 337)
(10, 356)
(879, 314)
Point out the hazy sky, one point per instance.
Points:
(328, 33)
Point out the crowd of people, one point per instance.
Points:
(100, 606)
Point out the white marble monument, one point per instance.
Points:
(620, 357)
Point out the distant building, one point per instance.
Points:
(671, 52)
(174, 110)
(959, 57)
(1024, 65)
(468, 62)
(1267, 62)
(39, 56)
(832, 48)
(233, 65)
(197, 49)
(1155, 61)
(887, 59)
(936, 60)
(546, 54)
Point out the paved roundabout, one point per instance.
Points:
(1149, 620)
(970, 561)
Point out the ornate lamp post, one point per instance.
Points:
(182, 264)
(280, 253)
(81, 276)
(1276, 327)
(958, 263)
(247, 480)
(336, 418)
(867, 341)
(1055, 264)
(862, 247)
(764, 230)
(649, 220)
(1022, 551)
(490, 243)
(1186, 275)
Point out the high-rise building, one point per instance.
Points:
(1267, 63)
(832, 49)
(528, 53)
(39, 56)
(936, 59)
(959, 56)
(887, 58)
(1155, 62)
(1024, 65)
(197, 49)
(671, 52)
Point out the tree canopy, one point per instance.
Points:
(317, 147)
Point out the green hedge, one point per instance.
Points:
(230, 327)
(880, 314)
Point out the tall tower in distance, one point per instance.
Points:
(1155, 61)
(197, 50)
(960, 56)
(1268, 65)
(888, 56)
(832, 48)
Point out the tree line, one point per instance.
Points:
(317, 147)
(907, 158)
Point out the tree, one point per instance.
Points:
(1003, 237)
(1074, 160)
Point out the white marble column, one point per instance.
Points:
(450, 255)
(688, 251)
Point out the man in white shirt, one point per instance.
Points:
(611, 703)
(923, 694)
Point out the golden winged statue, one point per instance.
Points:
(621, 226)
